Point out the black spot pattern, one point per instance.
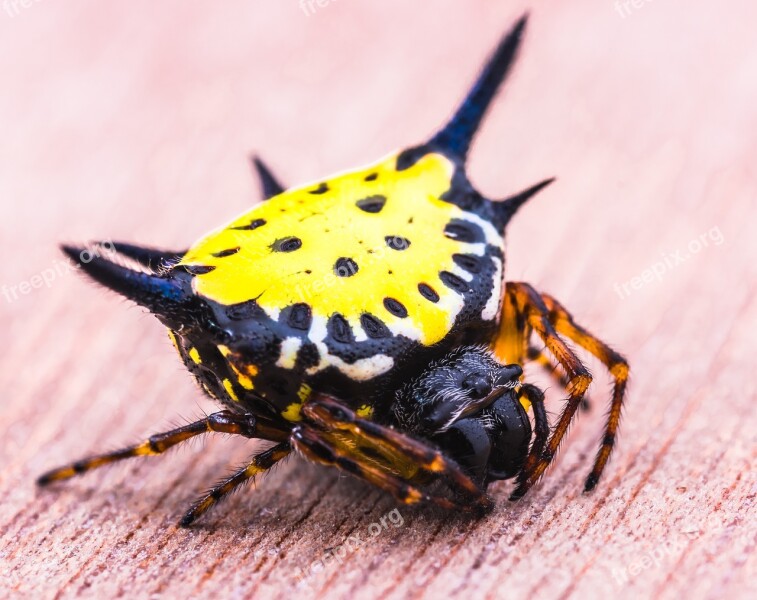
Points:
(395, 307)
(254, 224)
(198, 269)
(298, 316)
(257, 335)
(464, 231)
(227, 252)
(321, 189)
(469, 262)
(454, 282)
(374, 327)
(245, 310)
(428, 292)
(372, 204)
(396, 242)
(289, 244)
(345, 267)
(339, 329)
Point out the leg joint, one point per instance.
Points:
(619, 367)
(579, 382)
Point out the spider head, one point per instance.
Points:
(466, 403)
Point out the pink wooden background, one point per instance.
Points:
(134, 121)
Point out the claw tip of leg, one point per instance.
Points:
(484, 508)
(591, 482)
(186, 521)
(517, 494)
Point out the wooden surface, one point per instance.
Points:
(134, 122)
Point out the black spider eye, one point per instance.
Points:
(477, 384)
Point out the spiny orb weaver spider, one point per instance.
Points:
(364, 321)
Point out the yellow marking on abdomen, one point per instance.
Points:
(243, 379)
(330, 226)
(195, 356)
(230, 389)
(174, 340)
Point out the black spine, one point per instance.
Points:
(159, 294)
(269, 184)
(456, 136)
(505, 209)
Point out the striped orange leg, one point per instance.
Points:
(541, 358)
(525, 311)
(224, 421)
(541, 431)
(259, 464)
(320, 448)
(334, 435)
(616, 365)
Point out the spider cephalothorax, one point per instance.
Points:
(461, 383)
(364, 321)
(466, 402)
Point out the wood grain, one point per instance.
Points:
(134, 122)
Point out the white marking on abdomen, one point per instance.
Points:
(289, 348)
(491, 310)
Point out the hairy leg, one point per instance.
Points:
(615, 364)
(222, 422)
(525, 312)
(259, 464)
(334, 435)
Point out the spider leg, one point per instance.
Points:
(541, 431)
(312, 444)
(337, 436)
(224, 421)
(258, 464)
(329, 412)
(526, 312)
(541, 358)
(616, 364)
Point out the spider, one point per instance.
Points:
(364, 322)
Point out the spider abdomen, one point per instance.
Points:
(345, 284)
